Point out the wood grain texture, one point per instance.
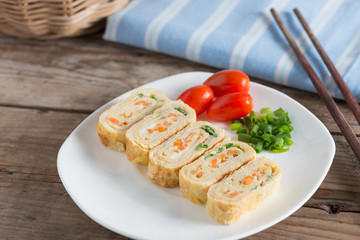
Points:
(47, 88)
(31, 192)
(82, 74)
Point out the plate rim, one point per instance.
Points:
(255, 230)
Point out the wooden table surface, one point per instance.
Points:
(48, 87)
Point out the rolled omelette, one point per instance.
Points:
(182, 148)
(224, 158)
(243, 191)
(156, 128)
(114, 121)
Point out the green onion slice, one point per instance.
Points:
(229, 145)
(181, 110)
(201, 146)
(209, 130)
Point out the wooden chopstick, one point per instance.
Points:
(349, 97)
(325, 96)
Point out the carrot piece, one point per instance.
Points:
(248, 180)
(199, 175)
(172, 115)
(200, 136)
(179, 144)
(214, 163)
(142, 102)
(233, 194)
(126, 116)
(232, 152)
(115, 121)
(158, 128)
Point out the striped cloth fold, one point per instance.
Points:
(240, 34)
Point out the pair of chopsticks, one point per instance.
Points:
(320, 88)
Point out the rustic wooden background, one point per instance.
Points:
(48, 87)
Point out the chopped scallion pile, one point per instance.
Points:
(266, 130)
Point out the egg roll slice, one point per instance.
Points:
(184, 147)
(156, 128)
(243, 191)
(224, 158)
(114, 122)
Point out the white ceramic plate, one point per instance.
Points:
(117, 194)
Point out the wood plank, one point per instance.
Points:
(309, 223)
(81, 73)
(33, 138)
(34, 203)
(84, 73)
(43, 210)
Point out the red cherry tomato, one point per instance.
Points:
(231, 106)
(198, 97)
(228, 81)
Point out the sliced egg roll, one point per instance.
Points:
(182, 148)
(156, 128)
(243, 191)
(224, 158)
(114, 122)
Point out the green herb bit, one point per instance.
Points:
(262, 120)
(244, 137)
(181, 110)
(259, 146)
(267, 137)
(209, 130)
(270, 119)
(254, 130)
(268, 178)
(283, 135)
(210, 155)
(201, 146)
(280, 150)
(268, 129)
(266, 111)
(229, 145)
(278, 143)
(255, 140)
(236, 121)
(255, 188)
(247, 120)
(220, 150)
(141, 95)
(241, 130)
(253, 117)
(287, 141)
(279, 112)
(156, 99)
(237, 146)
(235, 126)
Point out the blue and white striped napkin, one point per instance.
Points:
(242, 34)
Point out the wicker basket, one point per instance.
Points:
(49, 19)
